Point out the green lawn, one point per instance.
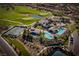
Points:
(16, 22)
(18, 45)
(71, 27)
(11, 14)
(39, 27)
(7, 23)
(24, 10)
(15, 17)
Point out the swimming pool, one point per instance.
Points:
(37, 16)
(48, 35)
(60, 31)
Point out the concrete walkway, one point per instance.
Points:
(41, 51)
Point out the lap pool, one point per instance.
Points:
(37, 16)
(48, 35)
(60, 31)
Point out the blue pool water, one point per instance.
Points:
(61, 31)
(48, 35)
(34, 33)
(37, 16)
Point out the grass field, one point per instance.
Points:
(14, 17)
(71, 27)
(18, 45)
(24, 10)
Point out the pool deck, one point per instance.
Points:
(61, 31)
(48, 35)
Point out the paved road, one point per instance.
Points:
(41, 51)
(76, 43)
(8, 49)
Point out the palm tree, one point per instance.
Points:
(29, 36)
(24, 35)
(56, 39)
(41, 36)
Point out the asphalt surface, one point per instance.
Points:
(76, 43)
(8, 49)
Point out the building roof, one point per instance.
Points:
(59, 53)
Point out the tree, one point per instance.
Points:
(56, 39)
(7, 6)
(30, 38)
(24, 35)
(41, 37)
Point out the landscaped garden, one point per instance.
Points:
(15, 17)
(17, 46)
(34, 29)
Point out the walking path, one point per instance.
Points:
(76, 43)
(41, 51)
